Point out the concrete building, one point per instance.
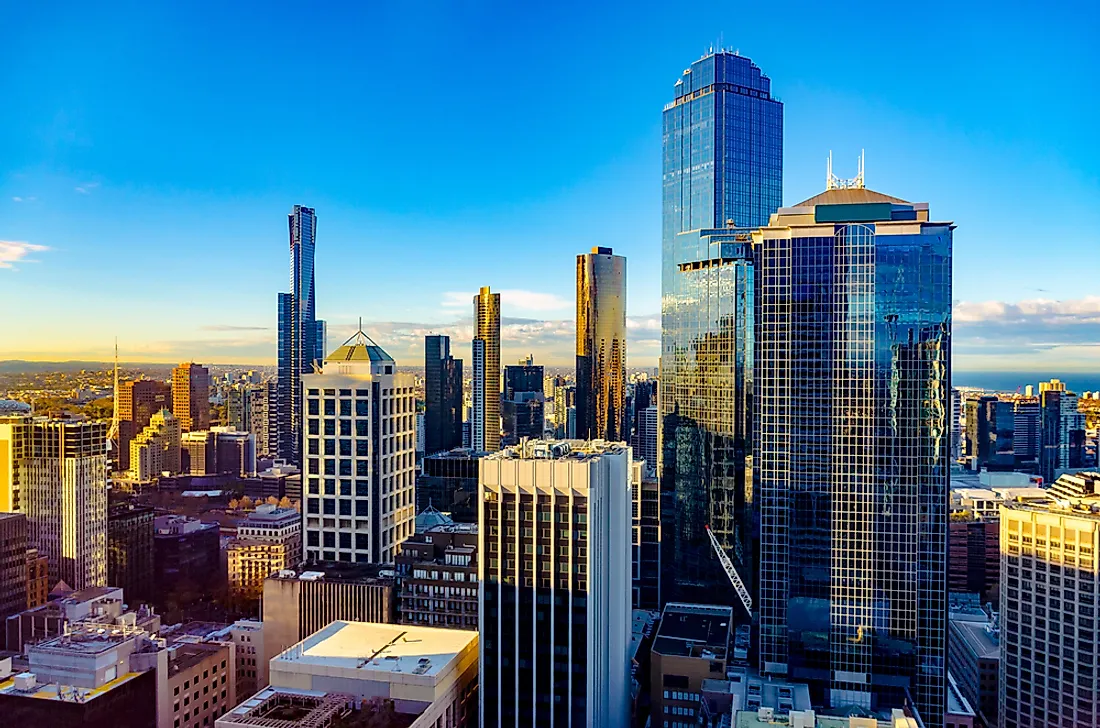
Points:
(38, 579)
(268, 540)
(130, 528)
(13, 563)
(601, 346)
(360, 455)
(263, 408)
(974, 557)
(186, 561)
(437, 570)
(191, 396)
(958, 713)
(156, 449)
(251, 667)
(101, 605)
(448, 483)
(645, 541)
(1050, 584)
(554, 566)
(199, 452)
(235, 451)
(485, 413)
(691, 645)
(430, 675)
(974, 661)
(298, 602)
(198, 686)
(286, 707)
(138, 401)
(55, 472)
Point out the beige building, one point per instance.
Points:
(429, 674)
(199, 685)
(156, 449)
(191, 396)
(268, 540)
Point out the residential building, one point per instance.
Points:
(309, 708)
(268, 540)
(251, 667)
(130, 559)
(974, 557)
(38, 579)
(448, 482)
(199, 452)
(238, 407)
(298, 602)
(723, 166)
(601, 346)
(437, 570)
(522, 406)
(157, 448)
(301, 335)
(554, 566)
(852, 460)
(485, 413)
(1062, 431)
(1050, 586)
(187, 562)
(138, 401)
(263, 408)
(974, 659)
(13, 563)
(429, 675)
(645, 539)
(692, 645)
(645, 436)
(191, 396)
(55, 472)
(442, 396)
(360, 456)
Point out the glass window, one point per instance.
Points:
(345, 467)
(330, 427)
(362, 393)
(345, 508)
(312, 506)
(345, 448)
(345, 540)
(362, 448)
(345, 487)
(314, 447)
(330, 467)
(362, 468)
(345, 408)
(361, 428)
(345, 428)
(361, 508)
(329, 539)
(362, 407)
(361, 542)
(330, 486)
(362, 487)
(329, 506)
(330, 447)
(313, 407)
(314, 427)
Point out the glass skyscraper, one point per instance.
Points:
(301, 339)
(485, 414)
(601, 346)
(722, 174)
(442, 396)
(853, 331)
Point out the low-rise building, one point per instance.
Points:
(13, 563)
(199, 685)
(437, 569)
(286, 707)
(974, 661)
(429, 675)
(959, 713)
(101, 605)
(130, 528)
(691, 645)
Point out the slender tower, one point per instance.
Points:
(485, 418)
(601, 346)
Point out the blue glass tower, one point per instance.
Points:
(301, 336)
(853, 331)
(722, 175)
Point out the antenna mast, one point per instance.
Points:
(112, 435)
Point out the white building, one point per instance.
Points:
(55, 471)
(360, 440)
(554, 555)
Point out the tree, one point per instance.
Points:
(234, 504)
(246, 503)
(272, 500)
(285, 502)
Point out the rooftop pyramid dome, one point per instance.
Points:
(359, 347)
(430, 517)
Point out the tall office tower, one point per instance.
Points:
(55, 472)
(130, 559)
(1049, 588)
(301, 335)
(852, 450)
(13, 564)
(485, 414)
(990, 432)
(157, 448)
(956, 424)
(522, 414)
(1061, 430)
(1026, 425)
(645, 394)
(263, 408)
(442, 396)
(646, 540)
(238, 407)
(191, 396)
(723, 167)
(601, 346)
(138, 401)
(645, 436)
(554, 565)
(360, 416)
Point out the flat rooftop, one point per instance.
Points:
(976, 637)
(337, 571)
(287, 708)
(190, 654)
(87, 639)
(52, 691)
(694, 630)
(579, 450)
(378, 649)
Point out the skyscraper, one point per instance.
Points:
(522, 403)
(1061, 430)
(442, 396)
(853, 334)
(191, 396)
(723, 157)
(301, 335)
(485, 415)
(138, 401)
(554, 567)
(601, 346)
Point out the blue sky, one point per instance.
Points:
(149, 154)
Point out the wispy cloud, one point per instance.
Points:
(17, 199)
(229, 327)
(12, 252)
(512, 299)
(1029, 332)
(86, 188)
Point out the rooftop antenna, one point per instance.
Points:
(832, 182)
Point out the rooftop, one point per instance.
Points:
(378, 650)
(359, 347)
(459, 453)
(63, 693)
(850, 196)
(694, 630)
(288, 708)
(337, 571)
(559, 450)
(956, 703)
(979, 637)
(188, 654)
(85, 639)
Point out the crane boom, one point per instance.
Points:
(727, 565)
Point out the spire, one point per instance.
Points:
(112, 435)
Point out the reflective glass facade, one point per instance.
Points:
(442, 396)
(301, 336)
(601, 346)
(485, 417)
(722, 174)
(852, 457)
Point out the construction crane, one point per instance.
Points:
(731, 572)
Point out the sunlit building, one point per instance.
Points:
(191, 396)
(601, 346)
(138, 401)
(485, 413)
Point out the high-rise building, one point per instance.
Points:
(601, 346)
(852, 380)
(1051, 584)
(448, 483)
(442, 396)
(187, 563)
(646, 540)
(263, 409)
(157, 448)
(360, 455)
(1061, 431)
(191, 396)
(522, 414)
(438, 572)
(990, 433)
(722, 170)
(55, 472)
(301, 334)
(974, 557)
(268, 540)
(13, 564)
(238, 407)
(138, 401)
(130, 550)
(645, 436)
(554, 566)
(485, 413)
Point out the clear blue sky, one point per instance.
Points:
(155, 149)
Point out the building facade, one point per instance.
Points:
(485, 413)
(268, 540)
(301, 335)
(191, 396)
(186, 562)
(156, 449)
(130, 550)
(442, 396)
(722, 167)
(38, 579)
(437, 569)
(554, 563)
(852, 455)
(13, 564)
(1062, 431)
(448, 482)
(601, 346)
(522, 405)
(645, 539)
(138, 401)
(360, 417)
(974, 557)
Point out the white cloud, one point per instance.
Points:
(17, 199)
(12, 252)
(86, 188)
(510, 299)
(1081, 310)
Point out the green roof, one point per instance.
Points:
(359, 347)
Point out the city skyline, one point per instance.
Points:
(70, 161)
